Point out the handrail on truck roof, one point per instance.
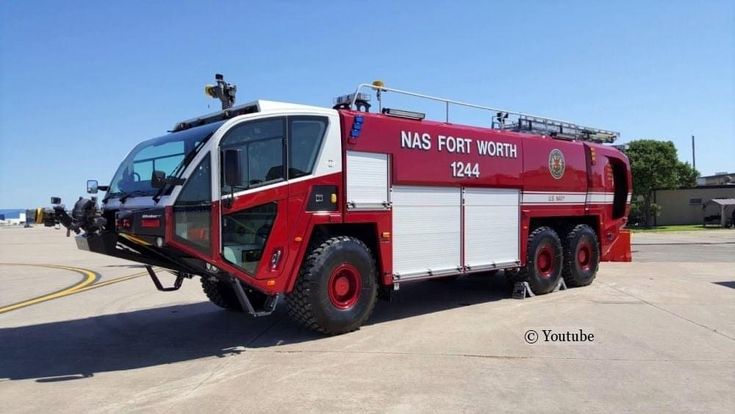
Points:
(522, 122)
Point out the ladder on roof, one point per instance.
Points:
(501, 119)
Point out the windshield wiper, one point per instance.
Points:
(125, 195)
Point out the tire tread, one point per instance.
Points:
(299, 307)
(220, 294)
(569, 256)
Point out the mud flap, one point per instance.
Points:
(619, 250)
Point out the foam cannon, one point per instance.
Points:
(223, 91)
(85, 216)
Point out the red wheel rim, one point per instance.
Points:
(545, 261)
(344, 286)
(584, 255)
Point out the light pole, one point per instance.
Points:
(694, 156)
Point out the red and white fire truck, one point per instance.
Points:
(333, 208)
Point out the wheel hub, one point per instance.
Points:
(341, 286)
(545, 261)
(344, 286)
(584, 256)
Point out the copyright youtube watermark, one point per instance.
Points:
(533, 336)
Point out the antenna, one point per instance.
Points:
(223, 91)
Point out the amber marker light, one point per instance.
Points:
(209, 91)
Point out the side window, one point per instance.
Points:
(261, 145)
(244, 235)
(192, 218)
(198, 188)
(304, 140)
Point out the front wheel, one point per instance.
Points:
(336, 289)
(221, 294)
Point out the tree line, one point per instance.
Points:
(654, 165)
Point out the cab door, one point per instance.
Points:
(260, 212)
(193, 214)
(254, 215)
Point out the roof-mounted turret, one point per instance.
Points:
(223, 91)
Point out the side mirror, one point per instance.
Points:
(55, 200)
(232, 168)
(92, 186)
(158, 179)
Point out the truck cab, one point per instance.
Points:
(231, 195)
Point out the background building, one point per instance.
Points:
(684, 205)
(12, 217)
(721, 178)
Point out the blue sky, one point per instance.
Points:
(83, 82)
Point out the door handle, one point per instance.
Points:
(276, 258)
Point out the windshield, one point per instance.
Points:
(169, 153)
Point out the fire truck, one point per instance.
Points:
(333, 208)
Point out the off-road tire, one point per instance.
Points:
(221, 294)
(540, 282)
(582, 272)
(310, 303)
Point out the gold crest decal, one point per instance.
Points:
(556, 164)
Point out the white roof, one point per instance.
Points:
(723, 201)
(279, 106)
(259, 105)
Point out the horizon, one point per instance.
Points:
(77, 97)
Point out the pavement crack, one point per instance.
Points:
(263, 332)
(671, 312)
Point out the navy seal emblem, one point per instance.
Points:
(556, 163)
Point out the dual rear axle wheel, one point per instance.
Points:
(576, 258)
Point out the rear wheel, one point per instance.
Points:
(221, 294)
(581, 256)
(543, 267)
(336, 288)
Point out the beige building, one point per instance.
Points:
(684, 205)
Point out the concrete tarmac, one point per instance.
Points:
(663, 341)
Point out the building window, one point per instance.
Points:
(695, 201)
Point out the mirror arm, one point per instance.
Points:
(227, 202)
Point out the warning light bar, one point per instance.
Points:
(347, 99)
(400, 113)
